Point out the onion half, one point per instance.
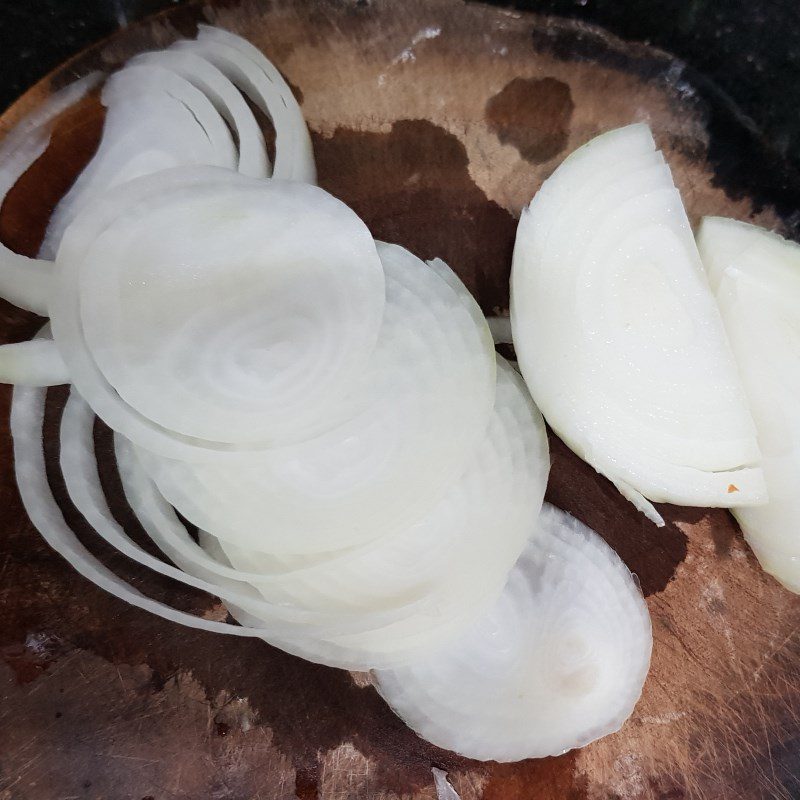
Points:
(618, 335)
(756, 277)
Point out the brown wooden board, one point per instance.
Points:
(436, 121)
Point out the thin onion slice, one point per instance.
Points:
(27, 417)
(501, 491)
(257, 77)
(410, 424)
(618, 335)
(252, 150)
(756, 276)
(253, 345)
(559, 661)
(155, 120)
(339, 638)
(34, 363)
(80, 471)
(26, 282)
(26, 422)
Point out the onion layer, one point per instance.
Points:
(155, 120)
(559, 660)
(252, 345)
(402, 435)
(34, 363)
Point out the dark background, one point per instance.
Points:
(749, 49)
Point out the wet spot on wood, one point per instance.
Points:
(305, 785)
(533, 115)
(554, 779)
(412, 187)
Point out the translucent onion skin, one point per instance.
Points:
(756, 277)
(618, 335)
(558, 662)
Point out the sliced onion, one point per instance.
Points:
(258, 78)
(411, 422)
(618, 336)
(447, 568)
(253, 344)
(446, 553)
(156, 120)
(756, 276)
(252, 155)
(34, 363)
(558, 662)
(26, 282)
(316, 636)
(27, 416)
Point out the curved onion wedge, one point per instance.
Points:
(618, 335)
(756, 276)
(190, 348)
(560, 660)
(26, 282)
(155, 120)
(34, 363)
(409, 425)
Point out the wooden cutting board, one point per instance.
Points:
(436, 121)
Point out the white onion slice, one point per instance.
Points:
(80, 472)
(155, 120)
(257, 77)
(445, 555)
(252, 151)
(253, 345)
(756, 276)
(26, 282)
(34, 363)
(559, 661)
(315, 636)
(403, 608)
(27, 416)
(411, 422)
(618, 336)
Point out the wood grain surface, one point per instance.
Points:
(436, 121)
